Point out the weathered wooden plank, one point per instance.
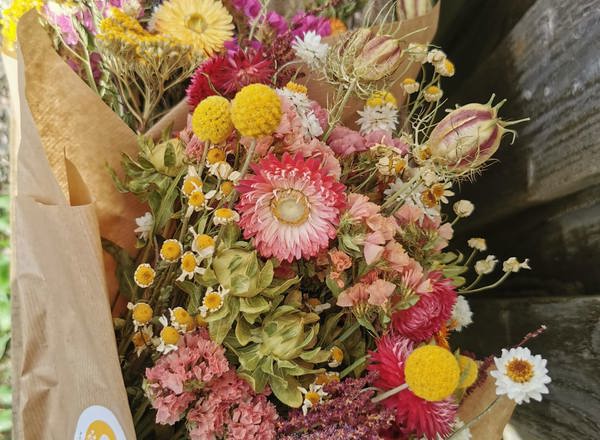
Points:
(561, 238)
(572, 346)
(548, 69)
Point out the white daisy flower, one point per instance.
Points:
(487, 266)
(445, 68)
(224, 216)
(462, 316)
(203, 244)
(463, 208)
(513, 265)
(380, 117)
(181, 320)
(189, 266)
(142, 339)
(436, 56)
(191, 181)
(144, 224)
(432, 94)
(313, 396)
(213, 300)
(520, 375)
(417, 52)
(168, 339)
(390, 165)
(477, 243)
(410, 86)
(336, 356)
(310, 49)
(198, 201)
(141, 314)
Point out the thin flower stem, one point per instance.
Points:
(349, 369)
(389, 393)
(491, 286)
(338, 109)
(473, 253)
(474, 283)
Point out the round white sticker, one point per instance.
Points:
(98, 423)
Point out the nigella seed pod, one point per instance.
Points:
(468, 136)
(379, 58)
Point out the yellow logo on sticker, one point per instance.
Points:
(99, 430)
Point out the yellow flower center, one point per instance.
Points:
(433, 90)
(188, 262)
(290, 207)
(297, 88)
(468, 371)
(204, 241)
(226, 188)
(225, 213)
(212, 301)
(195, 23)
(140, 339)
(449, 66)
(408, 81)
(327, 378)
(181, 315)
(170, 250)
(432, 373)
(428, 199)
(438, 190)
(197, 198)
(337, 354)
(424, 153)
(519, 370)
(399, 165)
(169, 335)
(190, 184)
(144, 275)
(313, 397)
(381, 97)
(215, 155)
(142, 313)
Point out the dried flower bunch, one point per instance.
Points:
(294, 277)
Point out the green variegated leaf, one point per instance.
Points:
(219, 329)
(278, 289)
(243, 331)
(265, 277)
(286, 390)
(254, 305)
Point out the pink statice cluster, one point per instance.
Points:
(195, 382)
(344, 141)
(413, 415)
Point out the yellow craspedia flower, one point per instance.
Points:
(169, 335)
(297, 88)
(468, 371)
(432, 373)
(382, 97)
(337, 26)
(211, 120)
(171, 250)
(215, 155)
(256, 111)
(144, 275)
(10, 20)
(203, 24)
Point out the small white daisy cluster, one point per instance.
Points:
(303, 106)
(310, 49)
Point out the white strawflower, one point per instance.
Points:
(145, 224)
(310, 49)
(463, 208)
(299, 100)
(380, 117)
(462, 316)
(417, 52)
(477, 243)
(520, 375)
(513, 265)
(484, 267)
(436, 56)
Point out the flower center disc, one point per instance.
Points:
(195, 23)
(313, 397)
(519, 371)
(290, 207)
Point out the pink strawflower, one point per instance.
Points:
(291, 207)
(421, 321)
(413, 415)
(344, 141)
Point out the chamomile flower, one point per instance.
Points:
(215, 155)
(432, 94)
(141, 339)
(168, 339)
(422, 153)
(336, 356)
(410, 86)
(144, 275)
(520, 375)
(327, 377)
(189, 266)
(220, 169)
(224, 216)
(417, 52)
(213, 300)
(435, 56)
(487, 266)
(310, 49)
(203, 244)
(462, 316)
(191, 181)
(181, 320)
(463, 208)
(477, 243)
(141, 314)
(144, 224)
(313, 396)
(513, 265)
(171, 250)
(391, 165)
(197, 201)
(445, 68)
(381, 117)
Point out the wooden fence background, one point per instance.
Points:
(543, 200)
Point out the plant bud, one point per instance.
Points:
(467, 137)
(380, 57)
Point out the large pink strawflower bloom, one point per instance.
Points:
(291, 207)
(413, 414)
(421, 321)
